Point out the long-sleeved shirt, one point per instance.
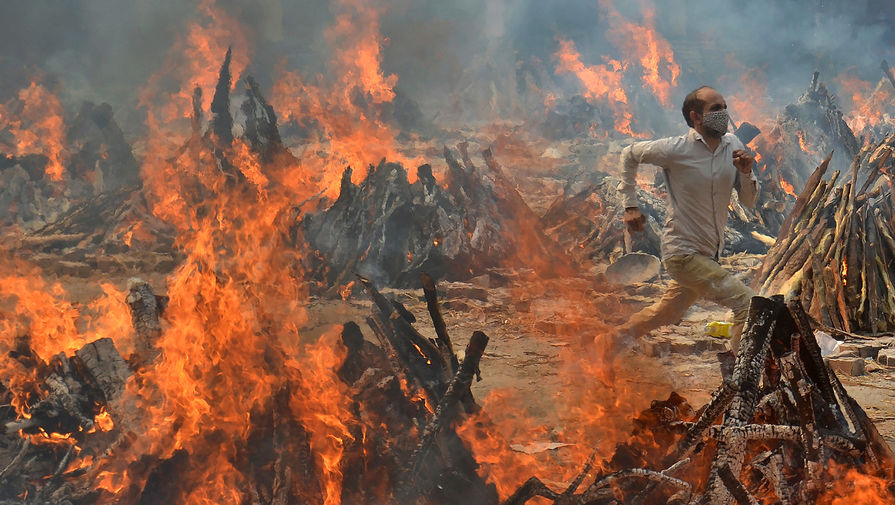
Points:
(699, 187)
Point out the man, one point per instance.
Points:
(701, 169)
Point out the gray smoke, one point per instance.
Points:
(463, 60)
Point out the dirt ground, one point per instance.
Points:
(541, 371)
(536, 350)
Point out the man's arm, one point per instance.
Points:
(747, 184)
(654, 152)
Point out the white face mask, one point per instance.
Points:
(715, 122)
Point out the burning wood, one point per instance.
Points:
(835, 248)
(788, 454)
(479, 221)
(70, 392)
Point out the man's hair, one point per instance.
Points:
(693, 102)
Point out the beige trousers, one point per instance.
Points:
(694, 276)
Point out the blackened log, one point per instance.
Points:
(196, 117)
(221, 119)
(444, 340)
(651, 476)
(736, 488)
(445, 412)
(760, 323)
(67, 407)
(531, 488)
(811, 358)
(801, 390)
(261, 122)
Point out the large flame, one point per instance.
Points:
(601, 82)
(343, 109)
(36, 122)
(867, 106)
(644, 43)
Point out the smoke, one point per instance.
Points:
(463, 61)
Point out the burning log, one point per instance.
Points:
(446, 475)
(816, 424)
(836, 249)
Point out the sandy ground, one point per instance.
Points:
(536, 349)
(543, 383)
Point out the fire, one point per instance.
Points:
(36, 122)
(601, 82)
(853, 487)
(584, 413)
(643, 42)
(207, 40)
(803, 144)
(747, 97)
(787, 187)
(344, 132)
(866, 105)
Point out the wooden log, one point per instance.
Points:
(817, 303)
(146, 308)
(760, 324)
(811, 185)
(871, 291)
(101, 364)
(840, 308)
(830, 300)
(444, 413)
(784, 243)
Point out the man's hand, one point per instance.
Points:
(634, 219)
(743, 161)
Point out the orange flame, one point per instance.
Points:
(866, 106)
(787, 187)
(345, 133)
(601, 82)
(37, 126)
(643, 42)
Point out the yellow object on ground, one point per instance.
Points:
(718, 329)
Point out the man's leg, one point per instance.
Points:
(708, 279)
(669, 310)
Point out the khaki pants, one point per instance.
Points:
(694, 276)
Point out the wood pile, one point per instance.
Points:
(406, 395)
(390, 230)
(777, 431)
(789, 151)
(96, 158)
(836, 248)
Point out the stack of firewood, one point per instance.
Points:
(785, 419)
(836, 248)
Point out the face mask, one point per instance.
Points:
(715, 122)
